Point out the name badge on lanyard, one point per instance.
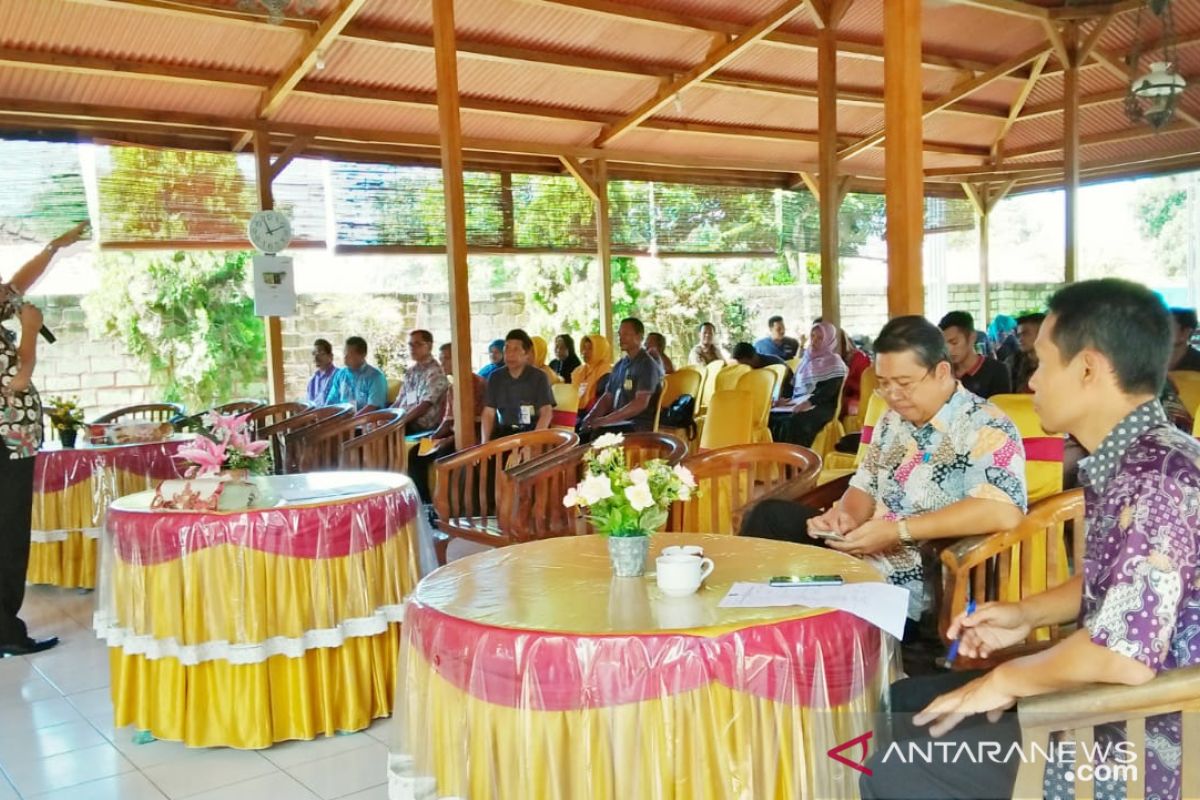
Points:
(526, 415)
(628, 385)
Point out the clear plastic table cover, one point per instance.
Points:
(531, 672)
(319, 559)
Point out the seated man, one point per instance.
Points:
(1102, 354)
(656, 346)
(778, 344)
(1183, 328)
(358, 382)
(979, 375)
(318, 384)
(744, 353)
(942, 464)
(631, 401)
(424, 390)
(1024, 363)
(441, 440)
(518, 396)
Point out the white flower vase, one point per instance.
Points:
(628, 554)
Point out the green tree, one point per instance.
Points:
(189, 317)
(1162, 210)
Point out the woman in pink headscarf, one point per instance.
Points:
(817, 384)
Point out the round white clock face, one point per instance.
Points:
(270, 231)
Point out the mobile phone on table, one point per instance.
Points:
(806, 580)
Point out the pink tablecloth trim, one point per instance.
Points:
(332, 530)
(817, 661)
(55, 470)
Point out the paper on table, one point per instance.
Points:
(880, 604)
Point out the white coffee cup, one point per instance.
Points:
(683, 550)
(681, 575)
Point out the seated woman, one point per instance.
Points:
(818, 381)
(590, 378)
(565, 361)
(856, 363)
(537, 359)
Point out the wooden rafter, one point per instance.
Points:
(1093, 37)
(1016, 8)
(1087, 101)
(1112, 137)
(585, 176)
(1022, 97)
(225, 14)
(313, 46)
(723, 55)
(1096, 10)
(932, 106)
(1117, 66)
(294, 148)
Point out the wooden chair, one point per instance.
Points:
(269, 415)
(566, 406)
(1043, 452)
(686, 380)
(1039, 554)
(761, 385)
(1188, 384)
(146, 412)
(378, 447)
(318, 447)
(1078, 712)
(239, 407)
(539, 486)
(474, 497)
(733, 479)
(853, 423)
(730, 420)
(280, 434)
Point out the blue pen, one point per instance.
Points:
(954, 645)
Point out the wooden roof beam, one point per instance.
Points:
(1112, 137)
(1015, 8)
(180, 8)
(313, 46)
(1096, 10)
(1014, 112)
(62, 62)
(1117, 66)
(932, 106)
(720, 57)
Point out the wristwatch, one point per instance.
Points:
(906, 538)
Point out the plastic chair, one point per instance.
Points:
(730, 420)
(732, 479)
(794, 363)
(147, 412)
(761, 384)
(781, 376)
(838, 464)
(685, 380)
(709, 386)
(852, 423)
(394, 387)
(833, 431)
(1043, 452)
(728, 377)
(1188, 384)
(566, 406)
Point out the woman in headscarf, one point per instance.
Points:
(565, 361)
(1002, 338)
(537, 358)
(495, 359)
(816, 386)
(589, 379)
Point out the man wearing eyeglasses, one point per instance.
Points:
(943, 463)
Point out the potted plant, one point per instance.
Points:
(225, 447)
(627, 505)
(67, 418)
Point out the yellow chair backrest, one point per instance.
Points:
(781, 373)
(1043, 452)
(761, 385)
(728, 378)
(394, 387)
(876, 408)
(687, 380)
(1196, 425)
(566, 397)
(1188, 384)
(729, 421)
(866, 387)
(793, 363)
(709, 386)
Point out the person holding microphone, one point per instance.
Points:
(20, 439)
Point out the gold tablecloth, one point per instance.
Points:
(530, 672)
(252, 627)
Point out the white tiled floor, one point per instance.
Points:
(57, 741)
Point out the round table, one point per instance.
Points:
(73, 487)
(246, 628)
(531, 672)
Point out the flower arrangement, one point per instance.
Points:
(623, 502)
(226, 445)
(65, 415)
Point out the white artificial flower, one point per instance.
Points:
(593, 489)
(639, 496)
(685, 492)
(685, 476)
(571, 499)
(608, 440)
(639, 476)
(605, 456)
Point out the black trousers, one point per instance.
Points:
(902, 772)
(16, 510)
(781, 520)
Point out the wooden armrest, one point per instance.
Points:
(970, 551)
(1099, 704)
(824, 496)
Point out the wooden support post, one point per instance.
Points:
(985, 275)
(828, 197)
(604, 251)
(903, 108)
(264, 174)
(1071, 152)
(450, 132)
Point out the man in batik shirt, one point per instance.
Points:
(423, 394)
(1102, 357)
(943, 464)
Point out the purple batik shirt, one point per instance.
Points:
(1140, 592)
(318, 385)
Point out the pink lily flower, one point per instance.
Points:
(208, 456)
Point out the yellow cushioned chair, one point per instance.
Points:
(394, 387)
(781, 375)
(833, 431)
(761, 385)
(566, 406)
(729, 421)
(686, 380)
(728, 377)
(1188, 384)
(709, 386)
(866, 390)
